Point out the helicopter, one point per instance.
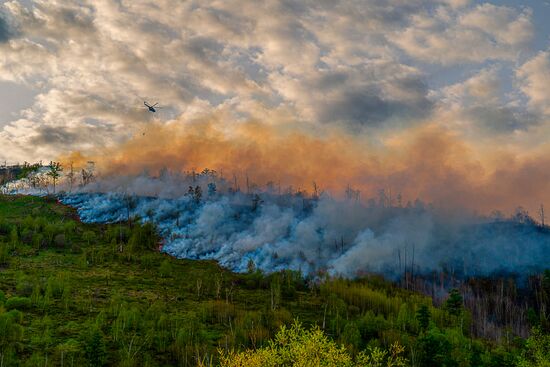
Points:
(152, 108)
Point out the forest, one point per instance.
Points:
(78, 294)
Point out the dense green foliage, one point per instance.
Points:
(296, 346)
(77, 294)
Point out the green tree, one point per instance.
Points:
(453, 304)
(94, 347)
(54, 172)
(377, 357)
(434, 350)
(537, 350)
(298, 347)
(11, 335)
(67, 351)
(4, 254)
(351, 336)
(293, 346)
(14, 237)
(423, 316)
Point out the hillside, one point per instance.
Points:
(81, 294)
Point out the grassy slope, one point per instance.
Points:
(91, 281)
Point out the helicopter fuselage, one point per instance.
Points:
(151, 108)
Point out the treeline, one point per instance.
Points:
(44, 178)
(73, 294)
(502, 305)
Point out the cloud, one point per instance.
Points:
(99, 60)
(376, 94)
(5, 31)
(534, 79)
(486, 32)
(479, 106)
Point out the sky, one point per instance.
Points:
(417, 95)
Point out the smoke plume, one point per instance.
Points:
(202, 216)
(425, 161)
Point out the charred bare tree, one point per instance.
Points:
(88, 173)
(71, 176)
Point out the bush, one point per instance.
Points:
(18, 303)
(296, 346)
(149, 261)
(60, 241)
(24, 285)
(435, 350)
(537, 350)
(143, 238)
(5, 228)
(4, 254)
(94, 346)
(165, 269)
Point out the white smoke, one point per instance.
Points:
(293, 231)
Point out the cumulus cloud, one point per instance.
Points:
(479, 106)
(486, 32)
(534, 79)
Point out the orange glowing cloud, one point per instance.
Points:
(426, 161)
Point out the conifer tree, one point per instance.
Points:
(423, 317)
(453, 304)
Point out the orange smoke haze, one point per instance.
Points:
(426, 162)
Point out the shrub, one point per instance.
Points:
(60, 241)
(4, 254)
(5, 228)
(24, 285)
(142, 238)
(537, 350)
(94, 346)
(296, 346)
(149, 261)
(89, 237)
(165, 269)
(18, 303)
